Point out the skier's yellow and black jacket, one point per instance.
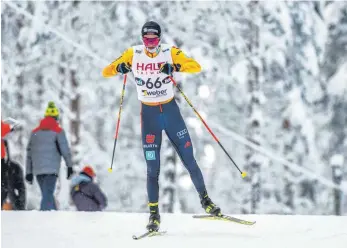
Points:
(159, 110)
(187, 64)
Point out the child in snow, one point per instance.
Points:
(85, 194)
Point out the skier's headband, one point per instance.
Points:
(151, 34)
(151, 31)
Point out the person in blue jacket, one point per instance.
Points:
(46, 146)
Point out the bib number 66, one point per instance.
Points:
(157, 84)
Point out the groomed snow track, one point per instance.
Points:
(34, 229)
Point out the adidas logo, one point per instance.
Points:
(188, 144)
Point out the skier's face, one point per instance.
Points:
(151, 41)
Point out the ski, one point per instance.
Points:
(224, 218)
(149, 234)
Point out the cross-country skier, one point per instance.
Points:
(151, 65)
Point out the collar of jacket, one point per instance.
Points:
(80, 178)
(48, 123)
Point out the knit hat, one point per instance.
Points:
(88, 171)
(52, 110)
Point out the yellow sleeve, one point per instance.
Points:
(185, 63)
(126, 57)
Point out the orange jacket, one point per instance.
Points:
(5, 129)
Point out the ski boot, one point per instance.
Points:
(154, 218)
(209, 206)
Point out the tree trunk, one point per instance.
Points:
(20, 101)
(75, 120)
(254, 124)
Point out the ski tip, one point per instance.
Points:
(248, 223)
(149, 234)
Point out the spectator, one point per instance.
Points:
(16, 186)
(85, 194)
(5, 129)
(46, 145)
(17, 190)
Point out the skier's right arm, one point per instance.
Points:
(116, 66)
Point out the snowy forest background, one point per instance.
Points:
(273, 89)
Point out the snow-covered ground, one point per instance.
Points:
(90, 230)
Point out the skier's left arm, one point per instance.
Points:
(181, 63)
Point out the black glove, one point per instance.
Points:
(69, 172)
(169, 68)
(123, 68)
(29, 178)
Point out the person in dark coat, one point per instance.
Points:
(85, 194)
(6, 128)
(46, 146)
(16, 186)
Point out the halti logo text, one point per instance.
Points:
(149, 66)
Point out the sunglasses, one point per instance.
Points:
(149, 42)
